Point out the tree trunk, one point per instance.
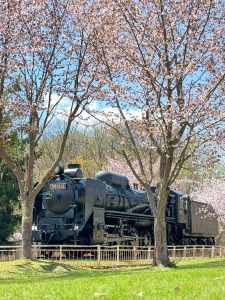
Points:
(27, 216)
(161, 257)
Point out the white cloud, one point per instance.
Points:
(64, 102)
(105, 114)
(85, 118)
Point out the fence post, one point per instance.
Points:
(135, 254)
(194, 252)
(185, 251)
(203, 251)
(117, 255)
(149, 254)
(174, 252)
(60, 253)
(213, 248)
(98, 255)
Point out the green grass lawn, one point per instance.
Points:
(190, 279)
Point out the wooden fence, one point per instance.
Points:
(103, 256)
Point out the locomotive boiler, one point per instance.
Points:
(105, 210)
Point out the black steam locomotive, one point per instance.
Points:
(105, 210)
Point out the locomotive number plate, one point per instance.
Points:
(58, 186)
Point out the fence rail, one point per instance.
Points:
(102, 256)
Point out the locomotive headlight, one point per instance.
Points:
(34, 227)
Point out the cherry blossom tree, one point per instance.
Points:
(118, 165)
(47, 71)
(212, 191)
(164, 81)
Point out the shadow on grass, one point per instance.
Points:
(45, 265)
(199, 264)
(30, 270)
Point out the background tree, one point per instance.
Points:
(212, 191)
(118, 165)
(10, 216)
(87, 145)
(47, 68)
(164, 75)
(10, 208)
(191, 176)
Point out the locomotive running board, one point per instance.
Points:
(133, 216)
(118, 214)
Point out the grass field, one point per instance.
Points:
(190, 279)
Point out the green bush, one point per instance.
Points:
(9, 205)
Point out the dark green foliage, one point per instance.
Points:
(8, 220)
(9, 203)
(15, 146)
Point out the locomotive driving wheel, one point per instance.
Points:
(146, 241)
(127, 237)
(135, 238)
(145, 238)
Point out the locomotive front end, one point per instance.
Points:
(59, 195)
(54, 221)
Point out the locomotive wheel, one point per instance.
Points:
(194, 241)
(145, 239)
(133, 233)
(210, 241)
(128, 238)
